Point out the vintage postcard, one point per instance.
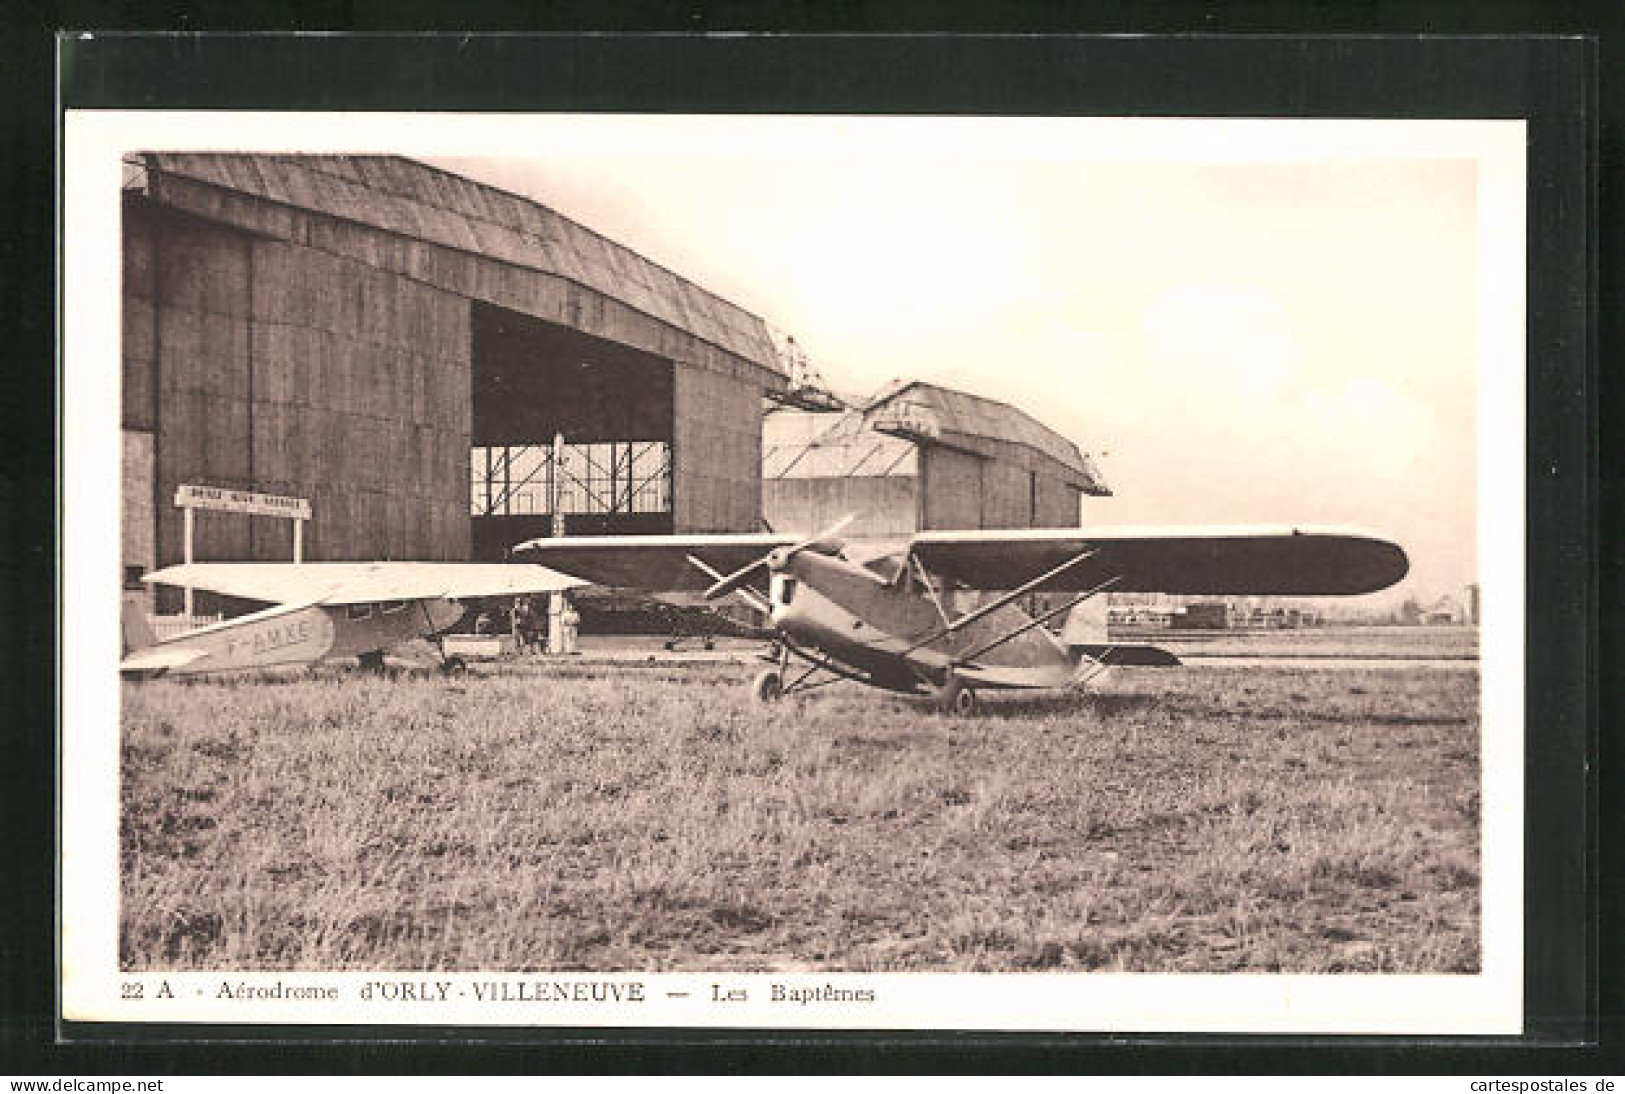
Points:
(1011, 574)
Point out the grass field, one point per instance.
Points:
(1447, 642)
(524, 818)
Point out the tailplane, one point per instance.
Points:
(1084, 635)
(1137, 654)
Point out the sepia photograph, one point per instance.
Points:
(846, 571)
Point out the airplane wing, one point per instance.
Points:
(1212, 561)
(362, 582)
(657, 563)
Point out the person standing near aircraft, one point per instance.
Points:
(527, 625)
(569, 623)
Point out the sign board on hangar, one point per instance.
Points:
(241, 501)
(190, 497)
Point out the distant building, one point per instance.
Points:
(1204, 615)
(1267, 614)
(919, 456)
(1142, 610)
(1447, 609)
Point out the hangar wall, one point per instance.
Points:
(302, 325)
(950, 489)
(885, 505)
(1008, 490)
(264, 365)
(186, 352)
(1058, 504)
(943, 489)
(137, 551)
(921, 456)
(716, 453)
(361, 400)
(819, 468)
(1007, 496)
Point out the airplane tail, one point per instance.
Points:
(1084, 635)
(135, 631)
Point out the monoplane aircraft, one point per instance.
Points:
(323, 611)
(895, 615)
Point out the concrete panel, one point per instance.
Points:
(1059, 504)
(200, 267)
(138, 374)
(139, 326)
(385, 433)
(137, 524)
(716, 453)
(226, 439)
(951, 489)
(298, 372)
(137, 251)
(882, 506)
(202, 376)
(283, 356)
(1007, 495)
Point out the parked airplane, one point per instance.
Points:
(322, 611)
(887, 615)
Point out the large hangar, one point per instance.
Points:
(918, 456)
(437, 365)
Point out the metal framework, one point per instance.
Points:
(597, 477)
(850, 470)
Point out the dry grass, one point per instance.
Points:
(1449, 642)
(1207, 819)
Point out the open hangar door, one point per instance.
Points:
(534, 381)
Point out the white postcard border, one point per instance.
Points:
(93, 989)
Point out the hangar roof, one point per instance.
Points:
(413, 199)
(805, 444)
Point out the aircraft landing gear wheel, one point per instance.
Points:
(768, 687)
(372, 661)
(454, 666)
(955, 698)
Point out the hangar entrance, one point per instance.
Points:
(534, 382)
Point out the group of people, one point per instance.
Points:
(528, 623)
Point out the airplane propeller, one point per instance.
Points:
(824, 543)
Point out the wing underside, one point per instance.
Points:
(1235, 561)
(1215, 561)
(655, 563)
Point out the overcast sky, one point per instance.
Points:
(1239, 332)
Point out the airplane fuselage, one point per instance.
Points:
(299, 635)
(857, 618)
